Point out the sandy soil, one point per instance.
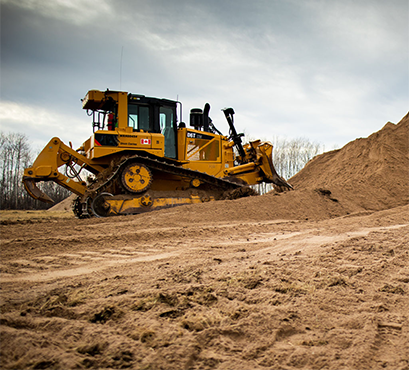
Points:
(316, 278)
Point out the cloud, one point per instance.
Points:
(332, 71)
(40, 124)
(78, 12)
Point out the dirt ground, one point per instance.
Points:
(315, 278)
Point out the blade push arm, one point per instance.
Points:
(258, 166)
(45, 168)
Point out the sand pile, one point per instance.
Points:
(64, 205)
(373, 172)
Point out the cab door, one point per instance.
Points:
(167, 123)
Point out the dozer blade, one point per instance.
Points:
(278, 180)
(279, 183)
(35, 192)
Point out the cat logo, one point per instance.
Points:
(146, 141)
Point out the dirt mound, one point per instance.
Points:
(301, 204)
(64, 205)
(373, 172)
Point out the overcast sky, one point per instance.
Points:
(329, 71)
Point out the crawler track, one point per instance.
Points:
(82, 207)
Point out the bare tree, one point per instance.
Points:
(289, 157)
(15, 155)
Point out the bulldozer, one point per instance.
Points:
(140, 158)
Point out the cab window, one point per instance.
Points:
(167, 129)
(138, 117)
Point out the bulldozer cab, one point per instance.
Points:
(155, 116)
(124, 121)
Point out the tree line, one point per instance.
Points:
(16, 155)
(289, 157)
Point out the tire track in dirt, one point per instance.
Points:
(85, 269)
(308, 241)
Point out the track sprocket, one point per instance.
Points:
(136, 177)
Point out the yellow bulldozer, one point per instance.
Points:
(142, 158)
